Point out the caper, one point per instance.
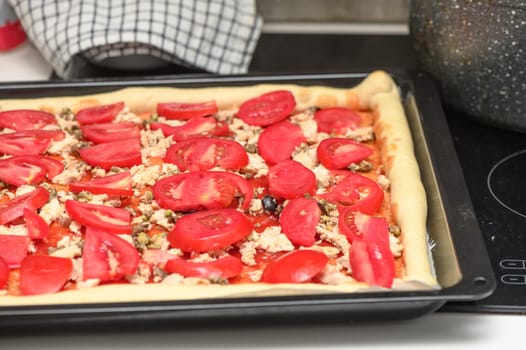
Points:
(269, 203)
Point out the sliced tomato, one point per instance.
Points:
(339, 153)
(124, 153)
(298, 266)
(356, 191)
(99, 114)
(42, 274)
(337, 120)
(201, 190)
(299, 219)
(14, 208)
(28, 142)
(181, 110)
(108, 132)
(4, 273)
(107, 257)
(370, 255)
(289, 179)
(29, 169)
(13, 249)
(278, 141)
(268, 108)
(37, 227)
(209, 230)
(20, 173)
(119, 184)
(224, 267)
(110, 219)
(204, 153)
(372, 264)
(195, 127)
(25, 119)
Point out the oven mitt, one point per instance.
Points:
(217, 36)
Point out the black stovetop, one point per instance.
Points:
(493, 161)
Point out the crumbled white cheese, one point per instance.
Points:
(395, 245)
(144, 175)
(24, 189)
(15, 230)
(384, 182)
(126, 116)
(64, 146)
(142, 274)
(273, 240)
(160, 218)
(74, 170)
(154, 144)
(245, 134)
(256, 207)
(323, 176)
(247, 249)
(332, 235)
(306, 155)
(68, 248)
(361, 134)
(54, 210)
(257, 165)
(332, 275)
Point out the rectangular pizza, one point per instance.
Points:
(169, 193)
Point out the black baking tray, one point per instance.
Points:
(460, 259)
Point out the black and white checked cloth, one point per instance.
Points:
(217, 36)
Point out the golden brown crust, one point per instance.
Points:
(377, 92)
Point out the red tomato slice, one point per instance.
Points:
(372, 262)
(37, 227)
(195, 127)
(14, 208)
(290, 179)
(30, 169)
(41, 274)
(268, 108)
(20, 173)
(4, 273)
(107, 256)
(337, 120)
(209, 230)
(124, 153)
(99, 114)
(109, 132)
(115, 220)
(278, 141)
(339, 153)
(356, 191)
(28, 142)
(178, 110)
(299, 219)
(25, 119)
(295, 267)
(13, 249)
(204, 153)
(201, 190)
(225, 267)
(370, 255)
(119, 184)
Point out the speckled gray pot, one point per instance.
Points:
(477, 52)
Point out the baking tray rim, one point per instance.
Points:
(414, 84)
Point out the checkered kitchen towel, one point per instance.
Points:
(218, 36)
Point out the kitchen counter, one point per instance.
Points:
(297, 54)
